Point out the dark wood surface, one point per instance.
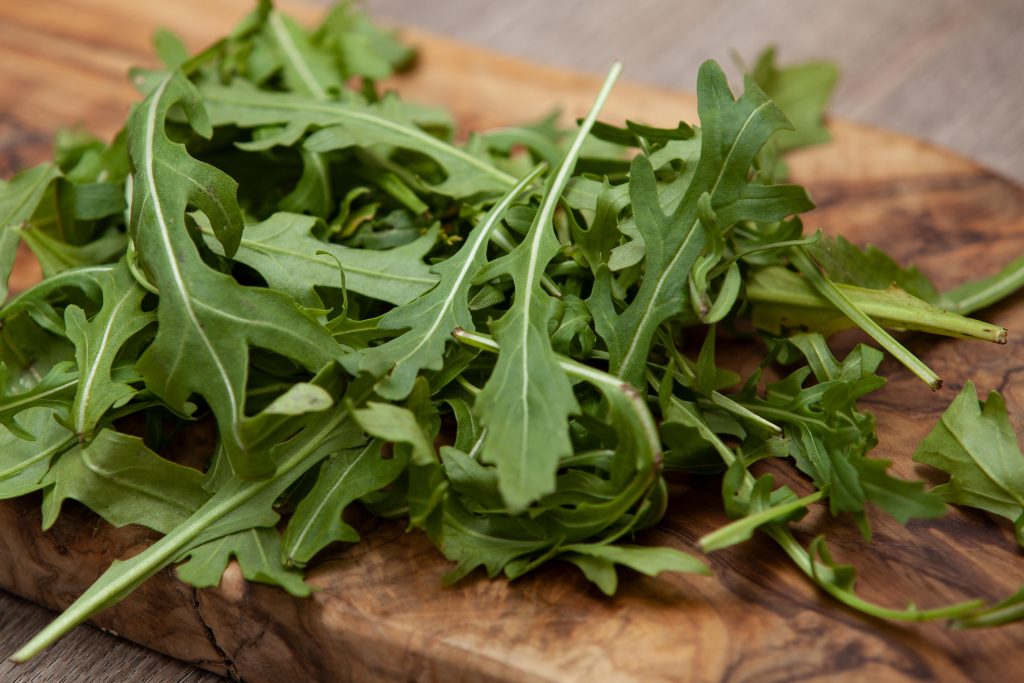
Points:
(381, 613)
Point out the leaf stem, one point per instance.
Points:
(835, 296)
(742, 528)
(978, 294)
(802, 559)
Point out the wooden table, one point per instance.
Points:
(906, 181)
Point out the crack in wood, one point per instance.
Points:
(211, 637)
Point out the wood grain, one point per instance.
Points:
(381, 613)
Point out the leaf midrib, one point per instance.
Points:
(328, 498)
(94, 367)
(981, 464)
(270, 249)
(663, 277)
(342, 111)
(185, 295)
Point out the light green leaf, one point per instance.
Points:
(124, 482)
(974, 443)
(346, 477)
(19, 198)
(258, 552)
(597, 561)
(975, 295)
(98, 342)
(526, 403)
(783, 299)
(23, 463)
(207, 321)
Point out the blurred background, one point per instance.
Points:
(948, 71)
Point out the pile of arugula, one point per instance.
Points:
(320, 273)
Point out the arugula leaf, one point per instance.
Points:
(124, 482)
(99, 341)
(974, 443)
(802, 92)
(785, 300)
(306, 69)
(427, 487)
(258, 552)
(206, 320)
(428, 319)
(236, 506)
(344, 478)
(55, 256)
(871, 268)
(982, 293)
(733, 131)
(362, 48)
(346, 125)
(24, 463)
(286, 252)
(19, 198)
(55, 390)
(525, 404)
(598, 561)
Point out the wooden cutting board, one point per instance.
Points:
(380, 613)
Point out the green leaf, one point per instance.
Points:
(206, 320)
(344, 478)
(526, 403)
(19, 198)
(870, 268)
(99, 341)
(258, 552)
(732, 133)
(802, 92)
(605, 506)
(975, 295)
(429, 319)
(974, 443)
(55, 390)
(313, 193)
(363, 49)
(904, 500)
(427, 486)
(23, 463)
(783, 300)
(598, 561)
(237, 506)
(124, 482)
(344, 125)
(55, 256)
(306, 69)
(286, 252)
